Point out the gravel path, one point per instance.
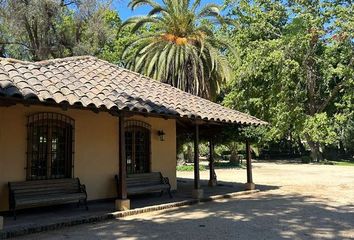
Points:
(297, 202)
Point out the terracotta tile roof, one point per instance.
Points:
(92, 82)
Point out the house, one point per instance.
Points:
(84, 117)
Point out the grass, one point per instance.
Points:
(223, 164)
(190, 168)
(339, 162)
(228, 165)
(343, 163)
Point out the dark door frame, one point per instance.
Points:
(134, 127)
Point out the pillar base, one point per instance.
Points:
(122, 204)
(197, 193)
(212, 183)
(1, 223)
(250, 186)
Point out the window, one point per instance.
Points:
(137, 147)
(50, 146)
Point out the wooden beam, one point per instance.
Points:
(115, 112)
(182, 124)
(212, 175)
(122, 171)
(5, 103)
(196, 157)
(249, 162)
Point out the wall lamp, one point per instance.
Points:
(161, 134)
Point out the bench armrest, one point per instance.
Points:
(83, 188)
(166, 180)
(12, 199)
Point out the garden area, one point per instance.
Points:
(254, 99)
(233, 155)
(289, 63)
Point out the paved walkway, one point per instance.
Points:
(298, 202)
(36, 218)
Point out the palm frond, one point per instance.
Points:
(210, 10)
(182, 51)
(195, 5)
(156, 10)
(138, 3)
(138, 22)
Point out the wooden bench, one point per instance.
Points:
(146, 183)
(38, 193)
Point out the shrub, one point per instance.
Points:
(189, 168)
(305, 159)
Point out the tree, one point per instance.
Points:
(180, 49)
(42, 29)
(295, 67)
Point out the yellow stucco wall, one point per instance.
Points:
(96, 149)
(163, 153)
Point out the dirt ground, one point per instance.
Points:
(332, 184)
(297, 201)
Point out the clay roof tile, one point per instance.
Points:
(92, 82)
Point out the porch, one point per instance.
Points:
(109, 129)
(186, 128)
(42, 219)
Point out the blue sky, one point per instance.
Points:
(125, 12)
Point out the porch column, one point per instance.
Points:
(197, 191)
(122, 203)
(249, 185)
(212, 175)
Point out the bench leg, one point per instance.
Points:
(86, 204)
(169, 193)
(14, 213)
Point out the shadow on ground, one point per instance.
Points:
(34, 218)
(259, 216)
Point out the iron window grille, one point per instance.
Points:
(50, 146)
(138, 147)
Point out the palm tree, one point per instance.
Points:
(179, 47)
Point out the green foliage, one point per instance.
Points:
(293, 65)
(320, 128)
(180, 49)
(99, 34)
(203, 149)
(294, 68)
(220, 150)
(347, 134)
(37, 30)
(113, 52)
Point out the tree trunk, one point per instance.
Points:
(2, 51)
(189, 157)
(341, 147)
(234, 157)
(301, 146)
(316, 153)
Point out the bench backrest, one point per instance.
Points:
(43, 187)
(144, 179)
